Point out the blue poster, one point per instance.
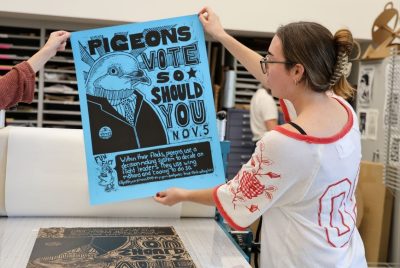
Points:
(147, 109)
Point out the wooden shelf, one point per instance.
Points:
(61, 102)
(61, 112)
(48, 70)
(61, 60)
(21, 111)
(17, 122)
(19, 36)
(60, 92)
(11, 46)
(71, 82)
(62, 123)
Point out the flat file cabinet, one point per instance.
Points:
(239, 134)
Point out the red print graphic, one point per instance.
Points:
(335, 214)
(273, 175)
(269, 190)
(253, 208)
(250, 185)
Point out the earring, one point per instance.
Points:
(295, 82)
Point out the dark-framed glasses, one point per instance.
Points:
(265, 61)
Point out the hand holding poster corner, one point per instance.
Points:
(147, 109)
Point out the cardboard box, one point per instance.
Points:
(377, 211)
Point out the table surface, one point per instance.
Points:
(208, 245)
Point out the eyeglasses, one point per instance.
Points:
(265, 61)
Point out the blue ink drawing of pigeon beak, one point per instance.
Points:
(137, 77)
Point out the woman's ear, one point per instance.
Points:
(297, 72)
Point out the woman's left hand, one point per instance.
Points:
(171, 196)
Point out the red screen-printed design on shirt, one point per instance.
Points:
(249, 181)
(335, 203)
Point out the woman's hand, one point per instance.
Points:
(211, 23)
(171, 196)
(56, 42)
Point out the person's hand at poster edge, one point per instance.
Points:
(173, 196)
(56, 42)
(211, 23)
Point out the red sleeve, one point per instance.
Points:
(17, 85)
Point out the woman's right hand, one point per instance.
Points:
(211, 23)
(56, 42)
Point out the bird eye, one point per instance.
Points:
(113, 71)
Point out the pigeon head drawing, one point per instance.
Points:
(115, 76)
(120, 117)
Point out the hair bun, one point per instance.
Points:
(344, 45)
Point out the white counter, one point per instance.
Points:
(206, 242)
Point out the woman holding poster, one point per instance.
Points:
(303, 174)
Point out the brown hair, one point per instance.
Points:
(323, 56)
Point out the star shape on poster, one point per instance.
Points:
(192, 73)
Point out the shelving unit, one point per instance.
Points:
(246, 84)
(60, 104)
(238, 132)
(391, 146)
(383, 146)
(56, 102)
(16, 45)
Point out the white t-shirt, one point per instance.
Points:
(303, 186)
(262, 108)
